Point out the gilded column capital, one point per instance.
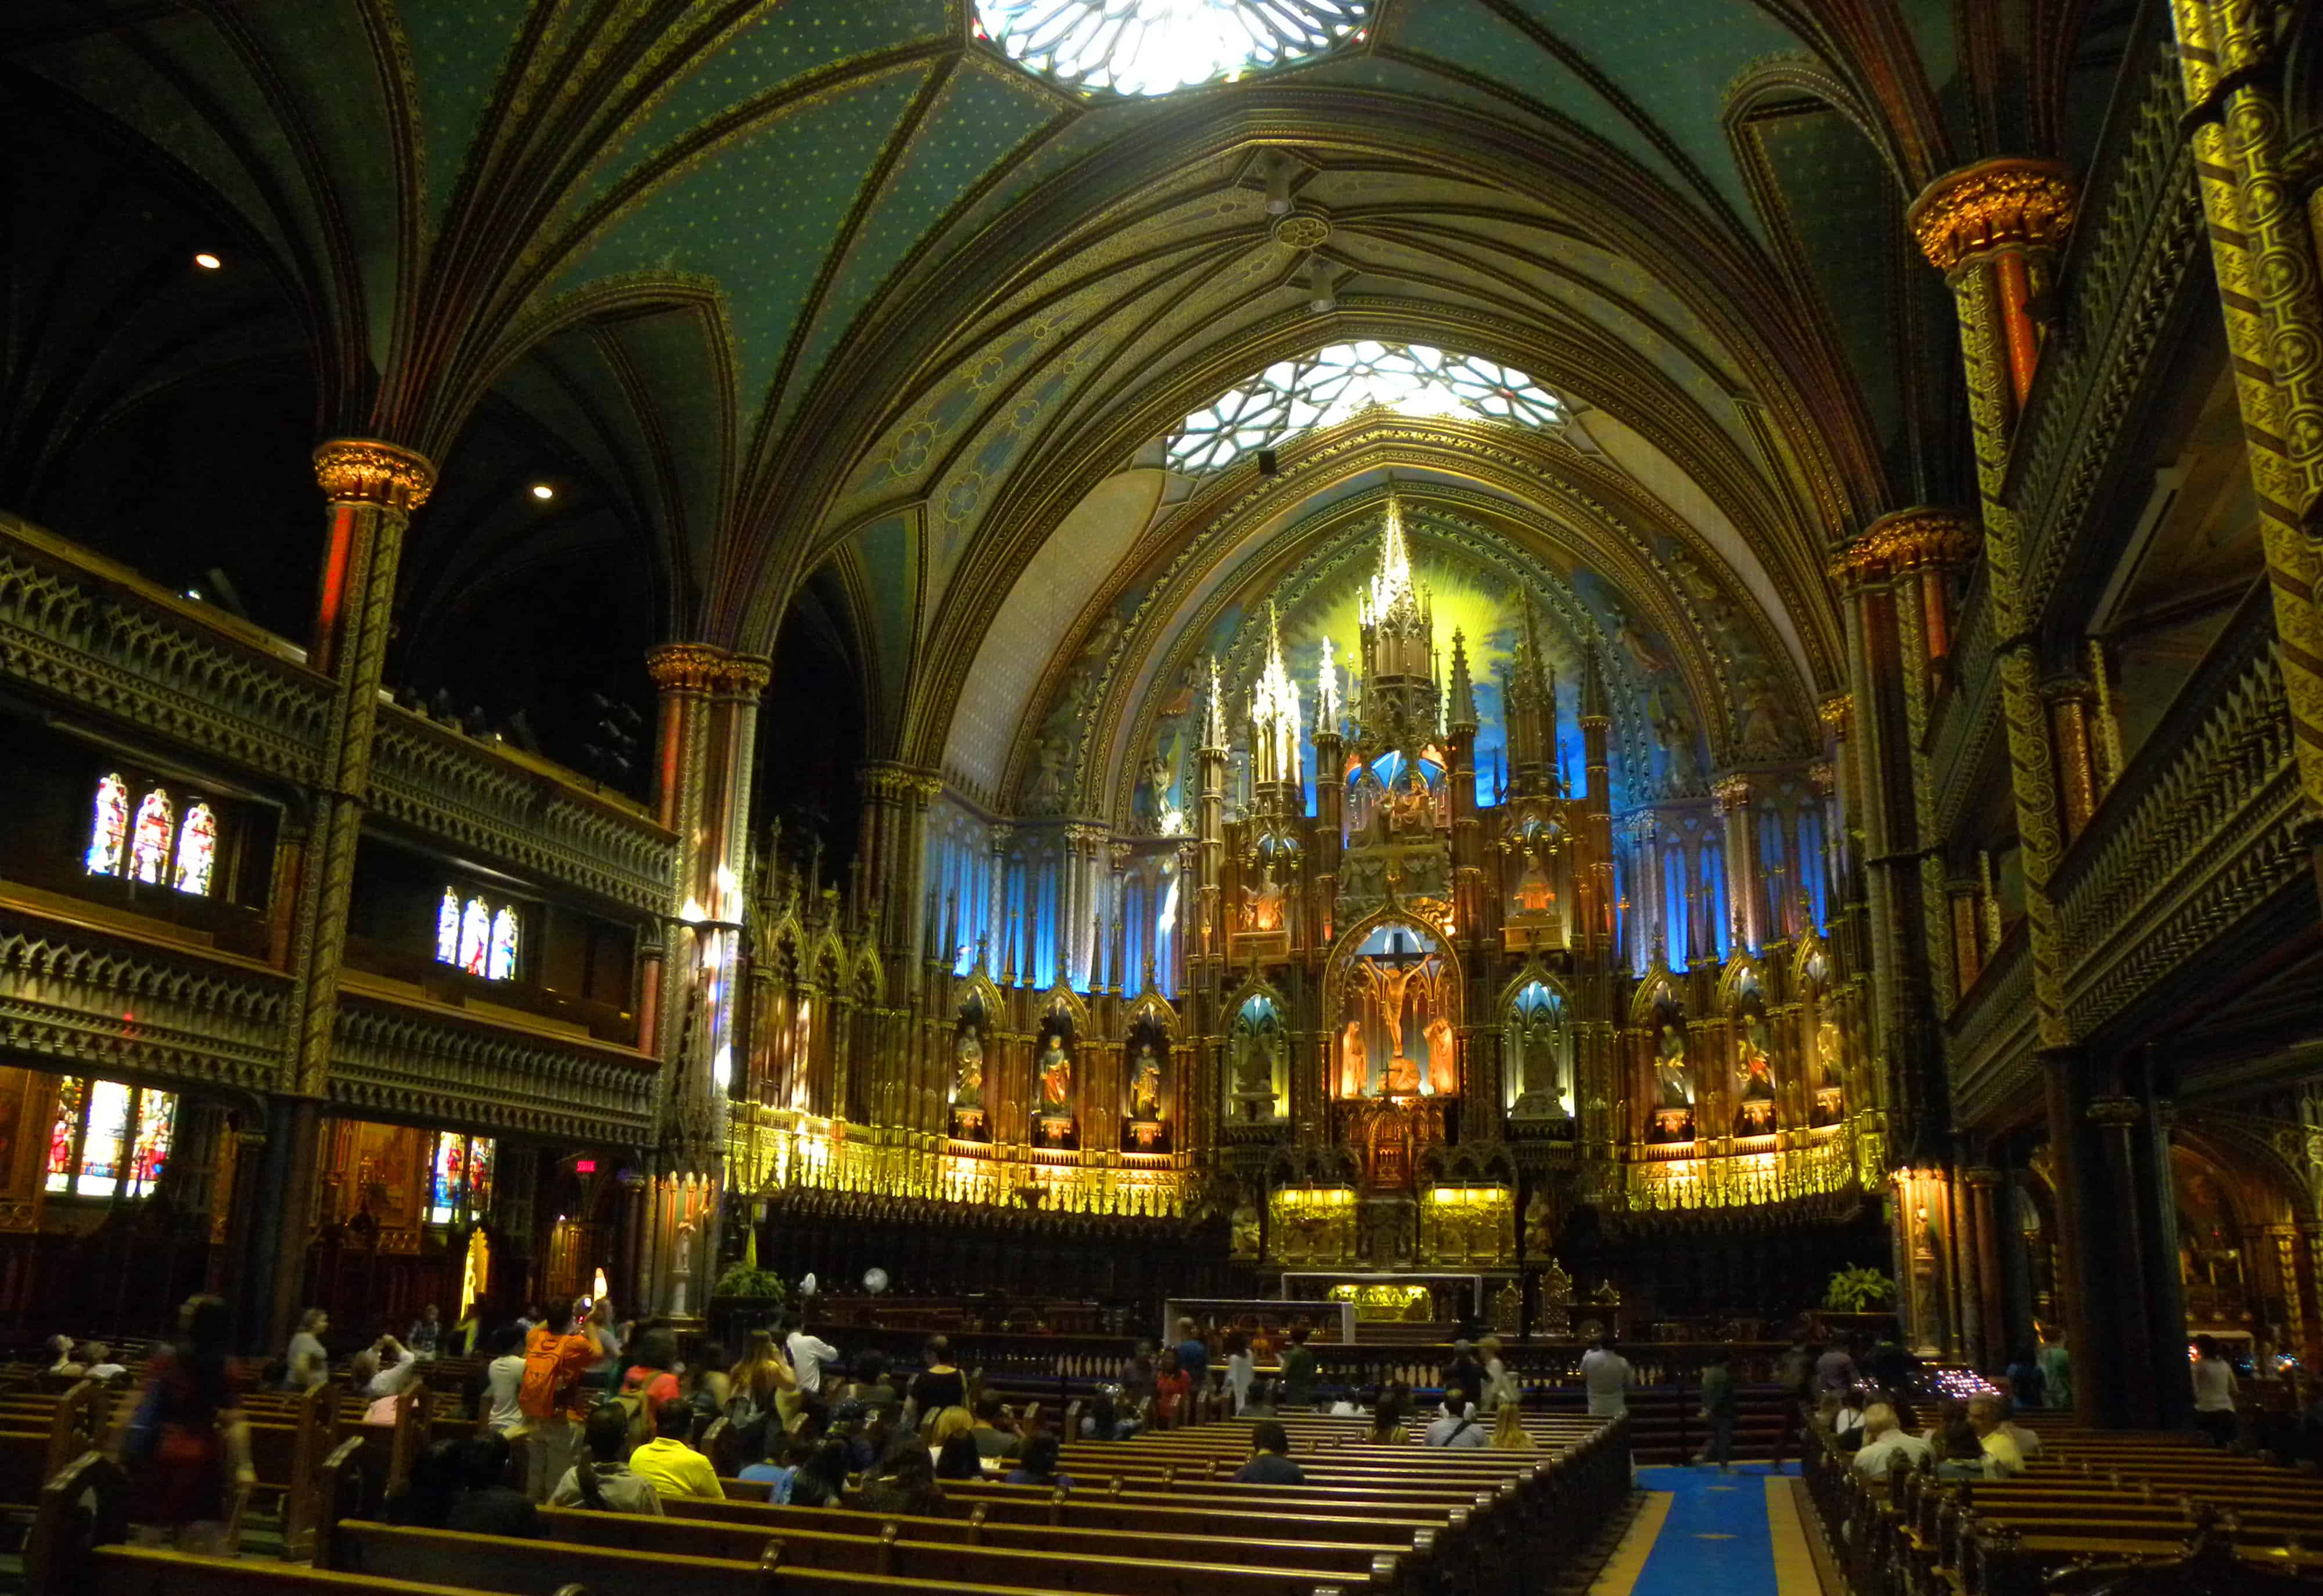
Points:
(1822, 778)
(2065, 687)
(1906, 540)
(1983, 1176)
(2116, 1111)
(2010, 202)
(1732, 792)
(684, 668)
(1835, 711)
(372, 471)
(743, 675)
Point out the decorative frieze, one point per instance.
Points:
(389, 1058)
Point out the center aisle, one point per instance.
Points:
(1738, 1535)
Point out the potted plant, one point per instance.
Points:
(746, 1298)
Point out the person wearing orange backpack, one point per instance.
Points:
(552, 1395)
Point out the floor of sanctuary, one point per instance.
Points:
(1738, 1535)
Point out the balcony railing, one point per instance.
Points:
(2198, 831)
(1990, 1038)
(2136, 248)
(80, 629)
(78, 992)
(396, 1053)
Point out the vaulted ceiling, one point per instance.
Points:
(831, 289)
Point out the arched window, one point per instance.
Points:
(149, 843)
(108, 1140)
(447, 928)
(500, 963)
(197, 849)
(110, 828)
(459, 1178)
(475, 932)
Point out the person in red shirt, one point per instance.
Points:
(654, 1377)
(550, 1397)
(1173, 1390)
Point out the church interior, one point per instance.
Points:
(1646, 676)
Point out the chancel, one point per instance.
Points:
(1163, 775)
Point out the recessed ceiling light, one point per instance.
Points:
(543, 491)
(208, 261)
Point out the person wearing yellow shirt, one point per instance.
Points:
(668, 1464)
(2003, 1458)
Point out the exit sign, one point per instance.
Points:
(584, 1166)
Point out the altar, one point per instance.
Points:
(1385, 1298)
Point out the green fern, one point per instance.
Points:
(1858, 1290)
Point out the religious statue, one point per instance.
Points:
(1355, 1065)
(1537, 1065)
(1056, 1076)
(1265, 905)
(1245, 1229)
(1255, 1065)
(1443, 1063)
(1673, 1079)
(1539, 1224)
(1827, 1053)
(968, 1072)
(1145, 1085)
(1766, 727)
(1403, 1077)
(1757, 1084)
(1675, 732)
(1535, 895)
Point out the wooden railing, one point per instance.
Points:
(1989, 1039)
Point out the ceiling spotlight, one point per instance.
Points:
(208, 261)
(543, 491)
(1277, 171)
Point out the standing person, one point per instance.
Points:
(1606, 1372)
(1270, 1457)
(2214, 1391)
(1193, 1355)
(1795, 1373)
(1466, 1376)
(1173, 1393)
(1500, 1387)
(599, 1478)
(426, 1338)
(668, 1464)
(1835, 1370)
(309, 1362)
(939, 1384)
(758, 1382)
(382, 1371)
(551, 1398)
(1240, 1370)
(2056, 1370)
(503, 1380)
(1300, 1367)
(808, 1353)
(1720, 1402)
(707, 1386)
(1137, 1377)
(186, 1449)
(605, 1373)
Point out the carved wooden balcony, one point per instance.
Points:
(1990, 1039)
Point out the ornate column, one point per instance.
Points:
(1991, 1329)
(2118, 1118)
(1994, 230)
(1968, 957)
(1733, 796)
(2263, 254)
(2068, 726)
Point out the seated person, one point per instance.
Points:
(958, 1460)
(668, 1464)
(2028, 1441)
(905, 1483)
(382, 1371)
(1846, 1418)
(1886, 1445)
(1458, 1426)
(1270, 1457)
(429, 1490)
(780, 1454)
(101, 1367)
(994, 1430)
(601, 1479)
(1960, 1454)
(821, 1479)
(1038, 1464)
(2002, 1460)
(487, 1504)
(62, 1362)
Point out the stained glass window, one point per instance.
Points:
(1324, 388)
(107, 1138)
(447, 928)
(197, 849)
(475, 934)
(109, 829)
(64, 1131)
(1150, 47)
(459, 1178)
(149, 844)
(500, 963)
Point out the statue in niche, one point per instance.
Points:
(1254, 1066)
(1355, 1062)
(1535, 893)
(1539, 1224)
(1056, 1076)
(1537, 1061)
(1245, 1231)
(1673, 1078)
(1145, 1084)
(1265, 905)
(968, 1072)
(1758, 1083)
(1443, 1063)
(1828, 1055)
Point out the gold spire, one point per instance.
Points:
(1327, 693)
(1392, 583)
(1274, 713)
